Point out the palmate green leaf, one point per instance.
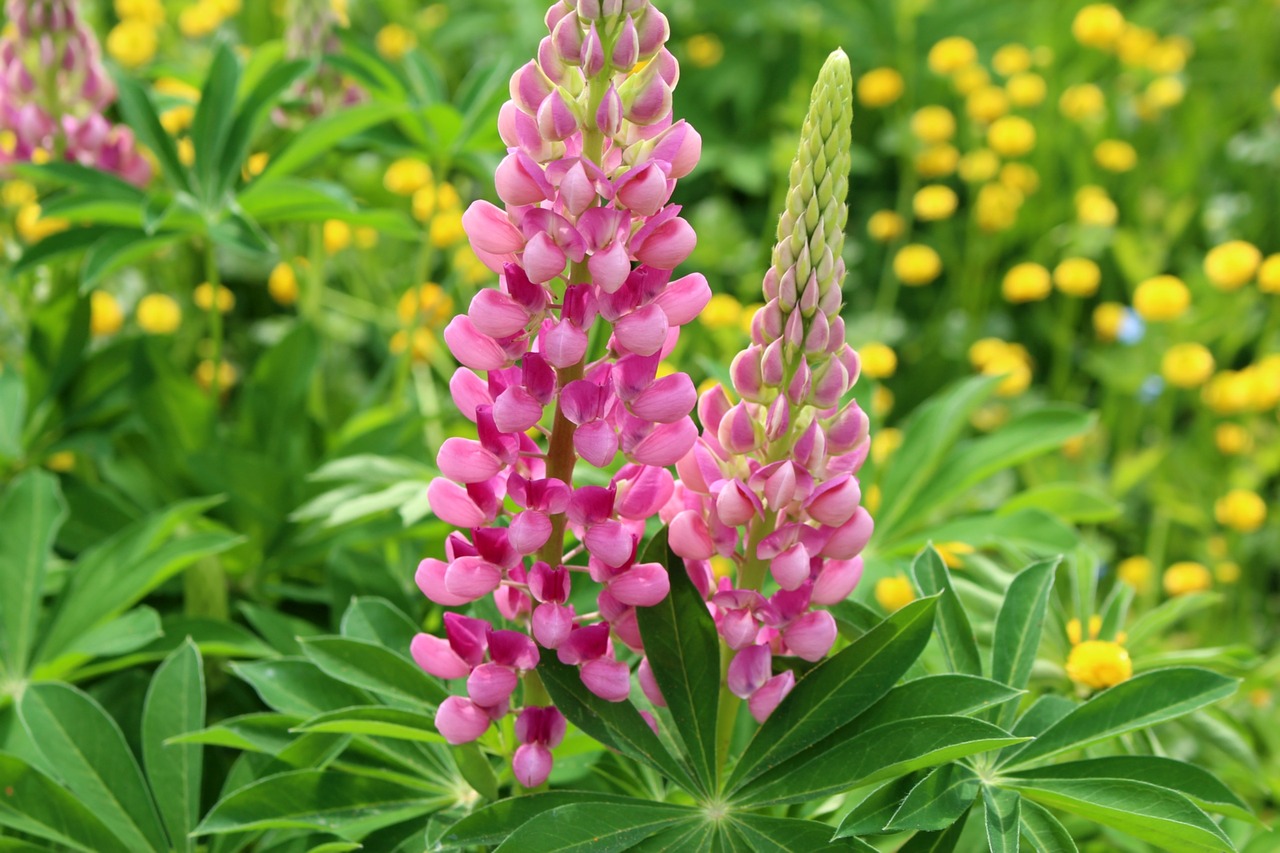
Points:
(1002, 811)
(1198, 785)
(1018, 628)
(589, 828)
(764, 834)
(320, 136)
(941, 841)
(297, 687)
(955, 634)
(839, 688)
(937, 801)
(85, 749)
(269, 734)
(13, 413)
(175, 705)
(1154, 622)
(281, 630)
(140, 114)
(1158, 815)
(213, 118)
(370, 666)
(936, 696)
(683, 648)
(254, 110)
(1077, 503)
(75, 176)
(870, 816)
(344, 804)
(117, 250)
(1045, 832)
(127, 633)
(375, 721)
(1031, 530)
(31, 512)
(863, 757)
(1142, 701)
(377, 620)
(493, 823)
(58, 245)
(35, 804)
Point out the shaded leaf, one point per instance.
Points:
(1043, 830)
(494, 822)
(375, 721)
(1018, 627)
(31, 511)
(372, 667)
(939, 800)
(41, 807)
(588, 828)
(955, 634)
(175, 705)
(1002, 810)
(788, 835)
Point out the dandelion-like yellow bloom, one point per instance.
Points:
(1011, 59)
(445, 230)
(203, 297)
(1015, 370)
(1163, 93)
(1077, 277)
(979, 165)
(158, 314)
(365, 237)
(987, 104)
(985, 350)
(1169, 56)
(723, 311)
(105, 314)
(1228, 393)
(1026, 89)
(15, 192)
(952, 54)
(1185, 578)
(226, 372)
(1187, 365)
(1107, 319)
(470, 267)
(880, 87)
(1232, 265)
(878, 360)
(1227, 572)
(1269, 275)
(1136, 45)
(1137, 572)
(885, 226)
(1094, 207)
(953, 553)
(1020, 178)
(199, 21)
(871, 498)
(937, 161)
(1232, 439)
(427, 305)
(1161, 299)
(894, 593)
(406, 176)
(882, 400)
(1026, 282)
(32, 227)
(704, 50)
(969, 80)
(61, 462)
(884, 442)
(1099, 664)
(1115, 155)
(336, 235)
(1011, 136)
(282, 284)
(1083, 102)
(148, 11)
(934, 202)
(933, 124)
(186, 151)
(394, 41)
(132, 43)
(1241, 510)
(917, 264)
(178, 119)
(1098, 25)
(997, 207)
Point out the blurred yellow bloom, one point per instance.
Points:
(1269, 275)
(1020, 177)
(427, 305)
(447, 198)
(1231, 266)
(336, 235)
(985, 350)
(1115, 155)
(1185, 578)
(470, 267)
(203, 297)
(340, 9)
(1241, 510)
(15, 192)
(951, 55)
(1164, 92)
(881, 401)
(933, 124)
(1187, 365)
(256, 163)
(1107, 318)
(1168, 56)
(723, 311)
(1228, 393)
(228, 7)
(1136, 45)
(1137, 572)
(997, 207)
(228, 376)
(979, 165)
(721, 567)
(894, 593)
(424, 204)
(1232, 439)
(186, 151)
(916, 264)
(1026, 89)
(445, 230)
(177, 119)
(394, 41)
(1011, 59)
(704, 50)
(406, 176)
(879, 87)
(1015, 370)
(282, 284)
(1098, 25)
(158, 314)
(971, 79)
(990, 417)
(421, 341)
(61, 462)
(878, 360)
(1073, 447)
(1161, 299)
(147, 11)
(884, 442)
(105, 315)
(987, 104)
(1011, 136)
(871, 498)
(953, 553)
(1074, 631)
(1084, 102)
(1099, 664)
(366, 237)
(1026, 282)
(885, 226)
(1227, 572)
(1077, 277)
(177, 88)
(33, 228)
(937, 161)
(132, 42)
(934, 202)
(1095, 207)
(199, 21)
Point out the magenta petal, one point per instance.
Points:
(430, 579)
(836, 580)
(668, 245)
(642, 490)
(739, 628)
(749, 670)
(848, 540)
(596, 442)
(489, 229)
(644, 190)
(689, 536)
(529, 531)
(666, 400)
(683, 299)
(461, 720)
(562, 344)
(469, 392)
(465, 461)
(471, 347)
(543, 259)
(764, 700)
(811, 636)
(643, 585)
(610, 267)
(551, 624)
(496, 314)
(585, 643)
(471, 577)
(452, 505)
(515, 649)
(531, 764)
(833, 503)
(649, 684)
(791, 567)
(610, 542)
(516, 410)
(491, 684)
(643, 331)
(436, 656)
(608, 679)
(666, 444)
(734, 504)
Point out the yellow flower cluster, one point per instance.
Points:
(133, 41)
(204, 17)
(394, 41)
(879, 361)
(894, 593)
(996, 357)
(1094, 663)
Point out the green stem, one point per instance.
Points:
(726, 716)
(214, 317)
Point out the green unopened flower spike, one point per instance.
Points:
(798, 345)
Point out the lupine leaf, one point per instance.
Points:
(789, 835)
(175, 705)
(321, 136)
(252, 112)
(493, 823)
(213, 118)
(1002, 810)
(298, 687)
(379, 621)
(937, 801)
(872, 815)
(1045, 831)
(936, 696)
(955, 634)
(375, 721)
(589, 828)
(942, 841)
(372, 667)
(38, 805)
(31, 511)
(1018, 627)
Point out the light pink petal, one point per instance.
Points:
(596, 442)
(562, 344)
(764, 700)
(683, 299)
(516, 410)
(609, 542)
(610, 267)
(643, 331)
(551, 624)
(529, 531)
(749, 670)
(811, 636)
(452, 505)
(666, 400)
(531, 764)
(649, 684)
(848, 540)
(465, 461)
(471, 347)
(471, 577)
(430, 579)
(460, 720)
(543, 259)
(689, 536)
(667, 246)
(496, 314)
(643, 585)
(609, 679)
(836, 580)
(490, 231)
(666, 444)
(833, 503)
(469, 392)
(436, 656)
(791, 567)
(491, 684)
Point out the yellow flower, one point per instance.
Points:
(282, 284)
(937, 161)
(934, 202)
(132, 43)
(1115, 155)
(1227, 572)
(1107, 319)
(894, 593)
(1073, 447)
(406, 176)
(177, 88)
(203, 297)
(1185, 578)
(105, 316)
(447, 198)
(1094, 207)
(987, 104)
(228, 8)
(1074, 633)
(951, 55)
(997, 207)
(879, 87)
(1026, 282)
(336, 235)
(1168, 56)
(177, 119)
(366, 237)
(17, 193)
(1011, 59)
(1241, 510)
(1011, 136)
(1137, 572)
(470, 267)
(427, 305)
(1020, 177)
(199, 21)
(445, 230)
(394, 41)
(979, 165)
(147, 11)
(878, 360)
(1099, 664)
(424, 203)
(1230, 266)
(916, 264)
(33, 228)
(228, 376)
(1232, 439)
(884, 442)
(721, 567)
(158, 314)
(971, 79)
(1228, 393)
(723, 311)
(1026, 89)
(704, 50)
(1275, 98)
(983, 351)
(61, 462)
(1015, 370)
(1083, 102)
(340, 9)
(1161, 299)
(871, 498)
(885, 226)
(1098, 25)
(881, 401)
(1187, 365)
(1164, 92)
(1269, 275)
(255, 164)
(186, 151)
(1136, 45)
(933, 124)
(953, 553)
(1077, 277)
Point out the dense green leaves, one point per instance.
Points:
(1045, 832)
(938, 801)
(787, 835)
(375, 721)
(31, 511)
(1018, 628)
(936, 695)
(589, 828)
(1002, 810)
(298, 687)
(955, 634)
(494, 822)
(175, 705)
(36, 804)
(373, 667)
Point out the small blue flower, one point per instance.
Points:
(1132, 328)
(1151, 388)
